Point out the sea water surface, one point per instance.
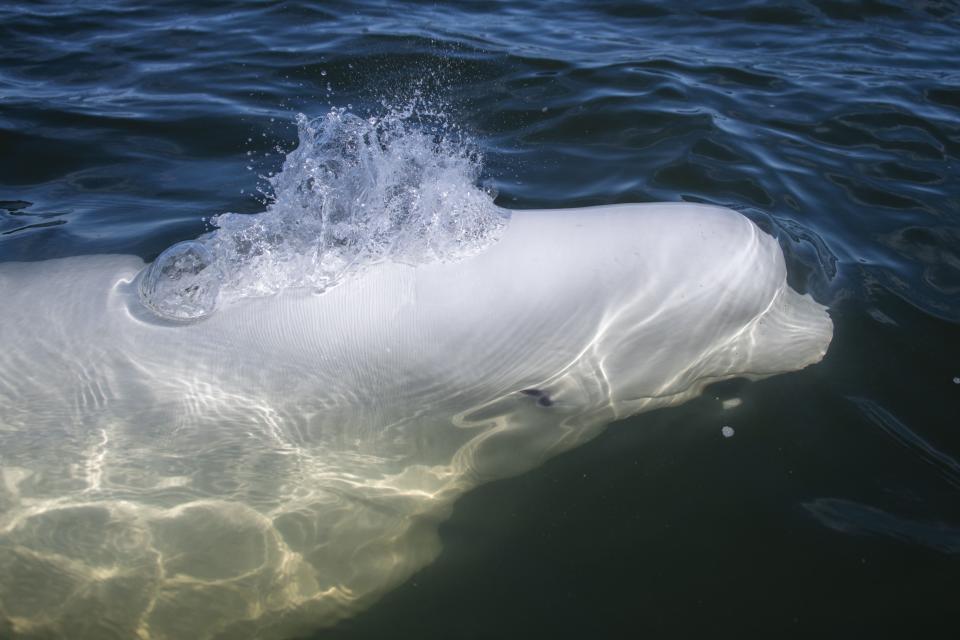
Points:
(818, 503)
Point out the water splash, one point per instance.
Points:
(355, 191)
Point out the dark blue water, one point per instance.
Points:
(835, 509)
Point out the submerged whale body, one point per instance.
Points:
(282, 463)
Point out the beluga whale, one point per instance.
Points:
(257, 435)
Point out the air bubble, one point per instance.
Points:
(183, 283)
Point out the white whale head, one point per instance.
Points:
(283, 462)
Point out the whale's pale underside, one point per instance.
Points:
(283, 463)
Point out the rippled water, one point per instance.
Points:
(125, 127)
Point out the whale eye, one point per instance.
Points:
(543, 398)
(183, 283)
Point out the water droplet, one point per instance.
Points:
(727, 432)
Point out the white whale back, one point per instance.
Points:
(282, 463)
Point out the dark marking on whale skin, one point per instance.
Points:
(543, 398)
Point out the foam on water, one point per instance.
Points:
(355, 192)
